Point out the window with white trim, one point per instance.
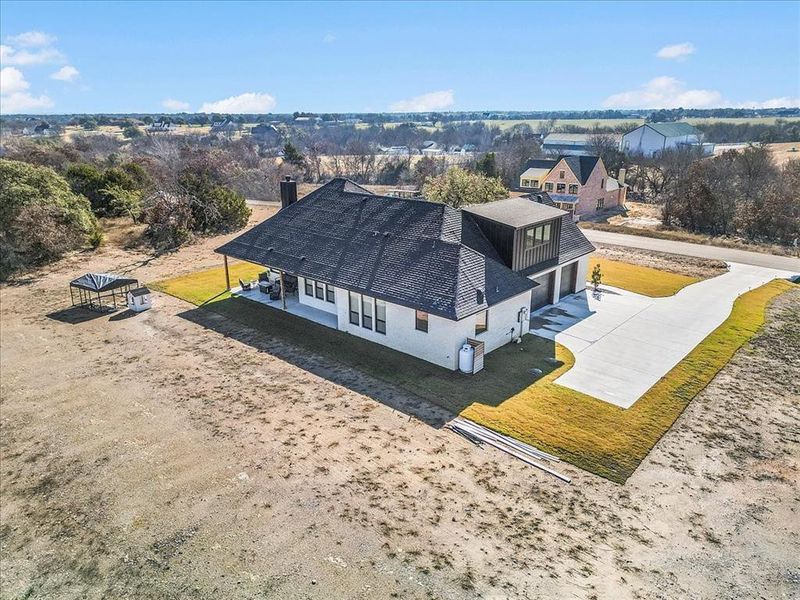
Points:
(366, 312)
(355, 315)
(573, 188)
(548, 187)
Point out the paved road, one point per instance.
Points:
(757, 259)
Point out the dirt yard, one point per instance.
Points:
(171, 454)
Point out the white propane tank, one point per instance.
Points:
(466, 359)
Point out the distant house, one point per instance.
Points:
(581, 185)
(226, 126)
(160, 127)
(267, 134)
(41, 129)
(431, 148)
(651, 139)
(536, 169)
(307, 120)
(571, 144)
(398, 151)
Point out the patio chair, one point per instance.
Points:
(264, 276)
(246, 285)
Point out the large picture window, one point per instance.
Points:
(422, 321)
(380, 316)
(482, 322)
(354, 314)
(366, 312)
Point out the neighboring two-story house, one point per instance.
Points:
(420, 277)
(581, 185)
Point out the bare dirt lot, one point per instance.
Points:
(172, 455)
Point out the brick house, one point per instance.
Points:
(581, 185)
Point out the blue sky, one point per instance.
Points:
(355, 57)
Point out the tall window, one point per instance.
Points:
(380, 316)
(354, 301)
(573, 188)
(600, 203)
(481, 322)
(320, 291)
(561, 174)
(366, 312)
(330, 293)
(602, 184)
(536, 236)
(309, 287)
(422, 321)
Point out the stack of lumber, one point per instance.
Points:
(528, 454)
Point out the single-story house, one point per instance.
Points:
(418, 276)
(651, 139)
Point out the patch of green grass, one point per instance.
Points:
(589, 433)
(209, 284)
(642, 280)
(608, 440)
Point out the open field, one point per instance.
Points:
(179, 450)
(508, 123)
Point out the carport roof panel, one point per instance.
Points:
(101, 282)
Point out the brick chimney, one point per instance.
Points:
(288, 192)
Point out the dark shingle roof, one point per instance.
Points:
(581, 166)
(418, 254)
(540, 163)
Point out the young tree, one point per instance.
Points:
(486, 165)
(458, 187)
(597, 277)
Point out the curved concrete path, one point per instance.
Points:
(624, 342)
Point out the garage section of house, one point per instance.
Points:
(538, 240)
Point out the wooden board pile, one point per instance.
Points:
(528, 454)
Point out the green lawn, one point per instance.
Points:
(591, 434)
(639, 279)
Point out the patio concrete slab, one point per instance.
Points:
(293, 306)
(624, 342)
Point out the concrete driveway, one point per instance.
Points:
(624, 342)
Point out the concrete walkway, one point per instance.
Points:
(771, 261)
(624, 342)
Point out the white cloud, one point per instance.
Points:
(426, 102)
(250, 102)
(329, 38)
(664, 92)
(782, 102)
(31, 39)
(12, 81)
(67, 73)
(176, 105)
(12, 56)
(14, 97)
(676, 51)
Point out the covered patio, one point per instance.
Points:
(293, 306)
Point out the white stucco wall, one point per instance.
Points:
(314, 301)
(441, 343)
(583, 272)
